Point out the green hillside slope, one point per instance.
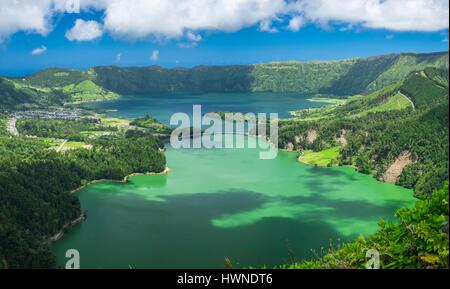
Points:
(51, 87)
(338, 78)
(305, 78)
(341, 78)
(56, 77)
(427, 87)
(408, 118)
(361, 74)
(15, 95)
(407, 63)
(87, 91)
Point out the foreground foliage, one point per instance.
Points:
(417, 240)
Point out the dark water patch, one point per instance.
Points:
(347, 209)
(330, 172)
(178, 233)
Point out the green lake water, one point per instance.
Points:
(218, 203)
(227, 203)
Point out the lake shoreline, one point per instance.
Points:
(83, 216)
(298, 160)
(123, 181)
(66, 227)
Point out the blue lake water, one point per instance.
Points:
(162, 106)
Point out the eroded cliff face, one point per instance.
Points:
(312, 136)
(396, 168)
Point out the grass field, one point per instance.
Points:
(50, 142)
(387, 99)
(21, 85)
(327, 100)
(321, 158)
(94, 134)
(395, 102)
(74, 145)
(111, 121)
(87, 91)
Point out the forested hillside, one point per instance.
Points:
(155, 79)
(15, 96)
(50, 87)
(402, 127)
(57, 77)
(340, 78)
(337, 78)
(35, 198)
(373, 73)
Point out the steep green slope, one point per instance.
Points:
(274, 77)
(426, 136)
(424, 89)
(49, 88)
(373, 73)
(56, 77)
(307, 78)
(360, 75)
(14, 95)
(339, 78)
(386, 99)
(419, 90)
(407, 63)
(87, 91)
(382, 100)
(397, 101)
(155, 79)
(381, 127)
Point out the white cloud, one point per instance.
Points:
(119, 56)
(155, 55)
(22, 15)
(296, 23)
(137, 19)
(84, 31)
(170, 18)
(39, 50)
(37, 16)
(396, 15)
(389, 37)
(266, 26)
(194, 37)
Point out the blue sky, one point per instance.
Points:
(237, 42)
